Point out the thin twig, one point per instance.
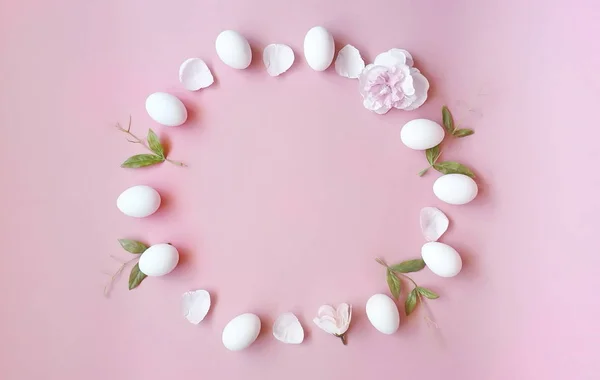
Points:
(410, 279)
(108, 286)
(142, 142)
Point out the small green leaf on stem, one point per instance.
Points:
(427, 293)
(448, 120)
(409, 266)
(411, 301)
(394, 284)
(433, 154)
(154, 144)
(141, 160)
(136, 277)
(463, 132)
(133, 246)
(452, 167)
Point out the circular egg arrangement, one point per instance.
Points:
(420, 134)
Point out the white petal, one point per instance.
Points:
(349, 63)
(278, 58)
(194, 74)
(327, 324)
(394, 57)
(344, 317)
(421, 85)
(287, 329)
(433, 223)
(326, 311)
(381, 110)
(195, 305)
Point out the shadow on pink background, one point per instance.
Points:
(293, 189)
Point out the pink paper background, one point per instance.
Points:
(293, 189)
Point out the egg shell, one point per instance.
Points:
(319, 48)
(139, 201)
(455, 189)
(421, 134)
(233, 49)
(166, 109)
(159, 260)
(241, 332)
(441, 259)
(383, 313)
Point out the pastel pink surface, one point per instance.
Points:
(293, 188)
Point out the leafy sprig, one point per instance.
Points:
(394, 276)
(135, 276)
(152, 143)
(451, 128)
(433, 154)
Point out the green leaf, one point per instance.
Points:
(452, 167)
(411, 301)
(409, 266)
(394, 284)
(154, 144)
(448, 120)
(132, 246)
(427, 293)
(136, 277)
(433, 154)
(463, 132)
(141, 160)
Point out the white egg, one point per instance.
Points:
(383, 313)
(421, 134)
(166, 109)
(139, 201)
(241, 332)
(441, 259)
(319, 48)
(233, 49)
(159, 260)
(455, 189)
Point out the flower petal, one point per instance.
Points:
(407, 86)
(433, 223)
(326, 311)
(349, 63)
(421, 85)
(344, 316)
(327, 325)
(394, 57)
(194, 74)
(195, 305)
(287, 329)
(382, 110)
(278, 58)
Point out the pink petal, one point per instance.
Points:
(433, 223)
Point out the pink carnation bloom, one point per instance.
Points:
(392, 82)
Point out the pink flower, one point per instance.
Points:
(392, 82)
(335, 321)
